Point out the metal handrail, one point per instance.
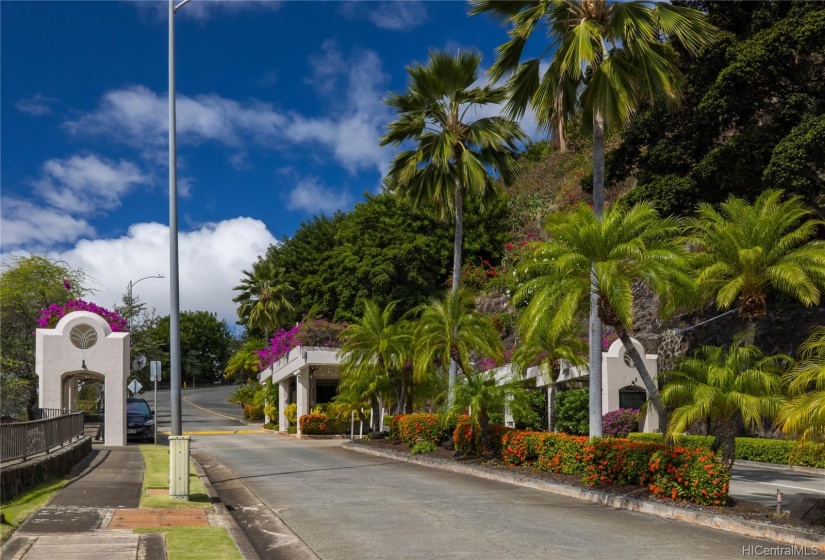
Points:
(21, 440)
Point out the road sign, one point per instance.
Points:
(154, 371)
(135, 386)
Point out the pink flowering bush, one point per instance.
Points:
(619, 423)
(50, 315)
(309, 332)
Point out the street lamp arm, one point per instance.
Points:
(182, 4)
(145, 278)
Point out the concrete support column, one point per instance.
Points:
(509, 422)
(283, 397)
(302, 397)
(71, 403)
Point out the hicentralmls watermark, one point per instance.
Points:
(759, 550)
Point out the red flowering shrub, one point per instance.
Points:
(463, 435)
(618, 461)
(561, 453)
(313, 424)
(468, 440)
(394, 433)
(689, 474)
(428, 427)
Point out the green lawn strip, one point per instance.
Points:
(156, 475)
(197, 543)
(20, 507)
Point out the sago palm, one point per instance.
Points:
(539, 348)
(609, 58)
(451, 329)
(375, 345)
(803, 415)
(263, 298)
(629, 245)
(481, 393)
(716, 384)
(744, 250)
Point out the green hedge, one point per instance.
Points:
(779, 451)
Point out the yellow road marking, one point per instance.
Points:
(186, 398)
(217, 432)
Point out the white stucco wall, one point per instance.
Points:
(616, 374)
(58, 363)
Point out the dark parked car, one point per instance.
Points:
(140, 422)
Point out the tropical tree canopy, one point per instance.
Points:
(717, 383)
(450, 328)
(744, 249)
(608, 57)
(263, 300)
(457, 152)
(803, 415)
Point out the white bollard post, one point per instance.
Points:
(352, 425)
(361, 426)
(372, 422)
(381, 421)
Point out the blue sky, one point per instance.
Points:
(279, 114)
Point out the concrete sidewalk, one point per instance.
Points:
(73, 525)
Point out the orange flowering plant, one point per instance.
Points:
(313, 424)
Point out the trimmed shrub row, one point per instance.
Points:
(779, 451)
(680, 473)
(432, 428)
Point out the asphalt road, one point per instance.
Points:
(345, 505)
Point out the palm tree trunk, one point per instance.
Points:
(650, 385)
(402, 391)
(726, 440)
(750, 333)
(459, 236)
(595, 342)
(484, 428)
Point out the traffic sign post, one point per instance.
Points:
(154, 375)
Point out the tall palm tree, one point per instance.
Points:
(630, 245)
(716, 384)
(263, 298)
(374, 346)
(539, 348)
(744, 250)
(608, 59)
(482, 393)
(451, 329)
(456, 154)
(803, 414)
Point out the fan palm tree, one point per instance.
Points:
(451, 329)
(803, 414)
(376, 346)
(481, 393)
(744, 250)
(263, 298)
(718, 383)
(609, 58)
(630, 245)
(539, 348)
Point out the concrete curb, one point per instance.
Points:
(304, 436)
(778, 467)
(243, 544)
(740, 526)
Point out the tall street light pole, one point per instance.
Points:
(131, 285)
(174, 282)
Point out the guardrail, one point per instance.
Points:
(21, 440)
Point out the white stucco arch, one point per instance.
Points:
(618, 374)
(60, 363)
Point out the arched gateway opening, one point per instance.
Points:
(82, 347)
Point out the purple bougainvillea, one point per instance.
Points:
(309, 332)
(619, 423)
(53, 313)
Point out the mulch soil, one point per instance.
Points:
(735, 508)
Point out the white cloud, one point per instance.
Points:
(211, 258)
(311, 195)
(87, 183)
(203, 10)
(25, 223)
(37, 105)
(352, 88)
(396, 15)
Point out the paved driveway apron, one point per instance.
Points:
(347, 506)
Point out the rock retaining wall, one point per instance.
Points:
(19, 478)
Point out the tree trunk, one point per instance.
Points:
(484, 427)
(650, 385)
(459, 236)
(750, 333)
(399, 405)
(595, 342)
(726, 440)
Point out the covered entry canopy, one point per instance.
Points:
(83, 346)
